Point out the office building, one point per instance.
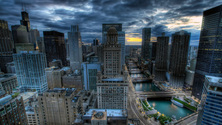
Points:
(20, 34)
(8, 82)
(146, 49)
(112, 85)
(154, 49)
(33, 38)
(6, 41)
(96, 42)
(32, 118)
(209, 57)
(106, 117)
(12, 111)
(161, 57)
(178, 58)
(90, 70)
(58, 106)
(30, 71)
(75, 48)
(54, 76)
(210, 108)
(73, 80)
(54, 46)
(25, 20)
(121, 37)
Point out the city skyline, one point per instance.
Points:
(167, 16)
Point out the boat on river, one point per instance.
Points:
(177, 103)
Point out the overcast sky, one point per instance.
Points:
(161, 15)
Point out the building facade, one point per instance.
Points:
(57, 107)
(25, 20)
(90, 74)
(178, 58)
(12, 111)
(30, 71)
(209, 57)
(210, 108)
(75, 47)
(146, 49)
(54, 46)
(8, 82)
(112, 84)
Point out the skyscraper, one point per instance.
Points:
(112, 85)
(121, 37)
(75, 47)
(55, 46)
(210, 112)
(209, 59)
(30, 71)
(161, 57)
(178, 58)
(25, 20)
(146, 49)
(6, 41)
(6, 45)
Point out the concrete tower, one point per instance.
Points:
(75, 47)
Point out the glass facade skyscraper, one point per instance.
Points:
(209, 58)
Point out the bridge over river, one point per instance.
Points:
(155, 94)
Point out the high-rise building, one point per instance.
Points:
(75, 47)
(33, 38)
(90, 70)
(6, 42)
(178, 58)
(112, 85)
(154, 49)
(6, 45)
(210, 108)
(20, 34)
(112, 54)
(209, 59)
(12, 111)
(96, 42)
(25, 20)
(58, 106)
(146, 49)
(161, 57)
(121, 37)
(30, 71)
(54, 46)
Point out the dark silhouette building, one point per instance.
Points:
(146, 49)
(178, 58)
(6, 45)
(209, 57)
(25, 20)
(54, 46)
(161, 57)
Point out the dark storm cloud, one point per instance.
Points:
(90, 14)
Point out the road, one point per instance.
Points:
(132, 104)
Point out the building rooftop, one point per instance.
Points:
(5, 76)
(68, 91)
(110, 112)
(214, 79)
(27, 95)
